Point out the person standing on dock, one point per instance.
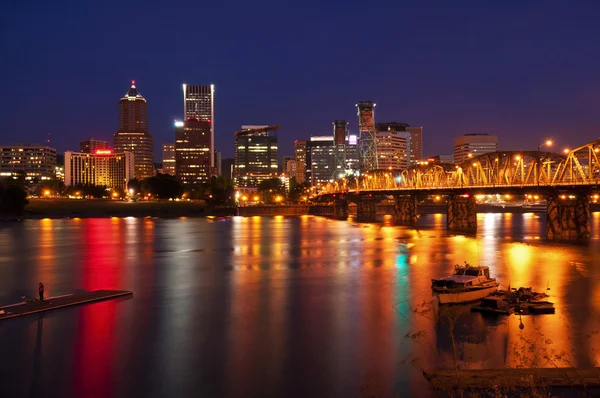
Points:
(41, 291)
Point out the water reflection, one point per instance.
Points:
(282, 306)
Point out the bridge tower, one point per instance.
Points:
(340, 136)
(367, 136)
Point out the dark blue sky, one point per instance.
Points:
(521, 71)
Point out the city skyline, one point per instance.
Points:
(537, 79)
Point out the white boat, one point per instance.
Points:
(466, 284)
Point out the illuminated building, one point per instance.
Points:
(322, 155)
(141, 145)
(103, 168)
(133, 111)
(393, 146)
(193, 151)
(255, 155)
(168, 159)
(36, 161)
(199, 104)
(474, 145)
(413, 151)
(91, 145)
(416, 143)
(133, 133)
(300, 155)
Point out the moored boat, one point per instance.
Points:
(467, 283)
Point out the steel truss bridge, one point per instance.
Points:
(512, 170)
(564, 181)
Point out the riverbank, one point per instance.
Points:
(98, 208)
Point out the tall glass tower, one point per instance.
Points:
(199, 104)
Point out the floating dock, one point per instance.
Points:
(520, 378)
(32, 306)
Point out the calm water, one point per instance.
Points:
(274, 306)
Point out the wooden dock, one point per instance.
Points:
(486, 379)
(52, 303)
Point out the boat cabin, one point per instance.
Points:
(472, 271)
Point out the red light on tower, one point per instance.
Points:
(133, 82)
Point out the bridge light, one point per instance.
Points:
(566, 150)
(549, 142)
(536, 197)
(563, 196)
(596, 150)
(518, 157)
(507, 196)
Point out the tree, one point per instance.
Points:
(297, 190)
(162, 186)
(12, 197)
(271, 189)
(220, 192)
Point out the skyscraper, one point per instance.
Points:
(199, 104)
(300, 154)
(255, 155)
(416, 143)
(133, 133)
(393, 146)
(91, 145)
(168, 159)
(192, 151)
(133, 111)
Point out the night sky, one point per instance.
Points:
(523, 72)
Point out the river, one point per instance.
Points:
(280, 306)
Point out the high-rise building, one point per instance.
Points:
(36, 161)
(192, 151)
(91, 145)
(168, 159)
(393, 146)
(227, 167)
(133, 111)
(393, 150)
(416, 144)
(199, 104)
(300, 155)
(103, 168)
(255, 155)
(323, 154)
(471, 145)
(133, 133)
(142, 146)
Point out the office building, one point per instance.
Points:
(168, 159)
(133, 133)
(133, 111)
(36, 161)
(91, 145)
(199, 104)
(103, 168)
(416, 144)
(227, 167)
(141, 145)
(471, 145)
(255, 155)
(300, 156)
(393, 146)
(192, 151)
(322, 155)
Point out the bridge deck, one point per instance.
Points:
(53, 303)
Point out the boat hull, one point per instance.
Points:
(451, 297)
